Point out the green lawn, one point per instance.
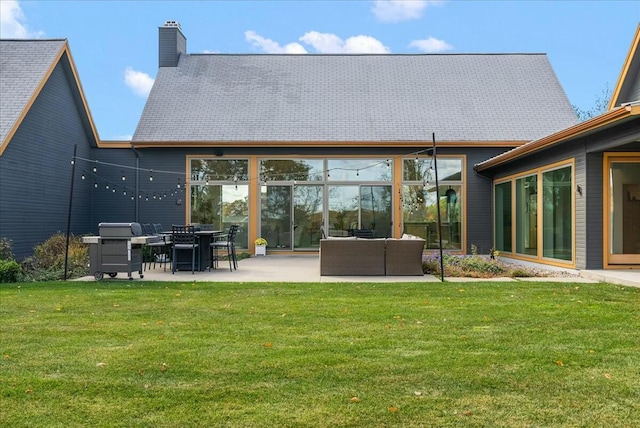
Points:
(319, 355)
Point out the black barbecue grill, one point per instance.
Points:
(117, 249)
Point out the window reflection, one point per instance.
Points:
(359, 170)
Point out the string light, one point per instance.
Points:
(262, 179)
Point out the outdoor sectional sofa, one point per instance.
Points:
(371, 257)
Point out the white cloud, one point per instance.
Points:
(13, 22)
(269, 46)
(400, 10)
(431, 45)
(321, 43)
(330, 43)
(138, 81)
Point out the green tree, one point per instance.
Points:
(600, 105)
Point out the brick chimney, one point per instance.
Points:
(172, 43)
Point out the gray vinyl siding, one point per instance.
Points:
(479, 203)
(169, 168)
(630, 90)
(594, 191)
(580, 177)
(635, 91)
(35, 169)
(624, 137)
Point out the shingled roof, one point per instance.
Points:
(24, 67)
(348, 98)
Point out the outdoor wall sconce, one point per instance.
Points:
(579, 189)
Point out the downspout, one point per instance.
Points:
(137, 210)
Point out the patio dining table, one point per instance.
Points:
(205, 237)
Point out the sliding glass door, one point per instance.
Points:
(359, 207)
(291, 216)
(622, 198)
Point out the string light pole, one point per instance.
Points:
(435, 167)
(73, 174)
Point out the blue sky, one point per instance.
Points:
(114, 43)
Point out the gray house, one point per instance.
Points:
(296, 146)
(573, 197)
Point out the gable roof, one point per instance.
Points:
(627, 88)
(25, 66)
(211, 98)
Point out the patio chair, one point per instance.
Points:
(228, 244)
(156, 247)
(164, 256)
(184, 238)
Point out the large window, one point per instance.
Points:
(527, 215)
(220, 194)
(557, 214)
(503, 216)
(420, 202)
(542, 213)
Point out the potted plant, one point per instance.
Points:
(261, 246)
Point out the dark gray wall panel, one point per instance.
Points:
(621, 138)
(593, 208)
(35, 170)
(479, 202)
(157, 201)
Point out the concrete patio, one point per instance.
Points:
(305, 268)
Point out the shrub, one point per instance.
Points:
(9, 271)
(473, 266)
(48, 260)
(6, 247)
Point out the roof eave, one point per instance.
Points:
(631, 55)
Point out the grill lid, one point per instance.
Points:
(119, 230)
